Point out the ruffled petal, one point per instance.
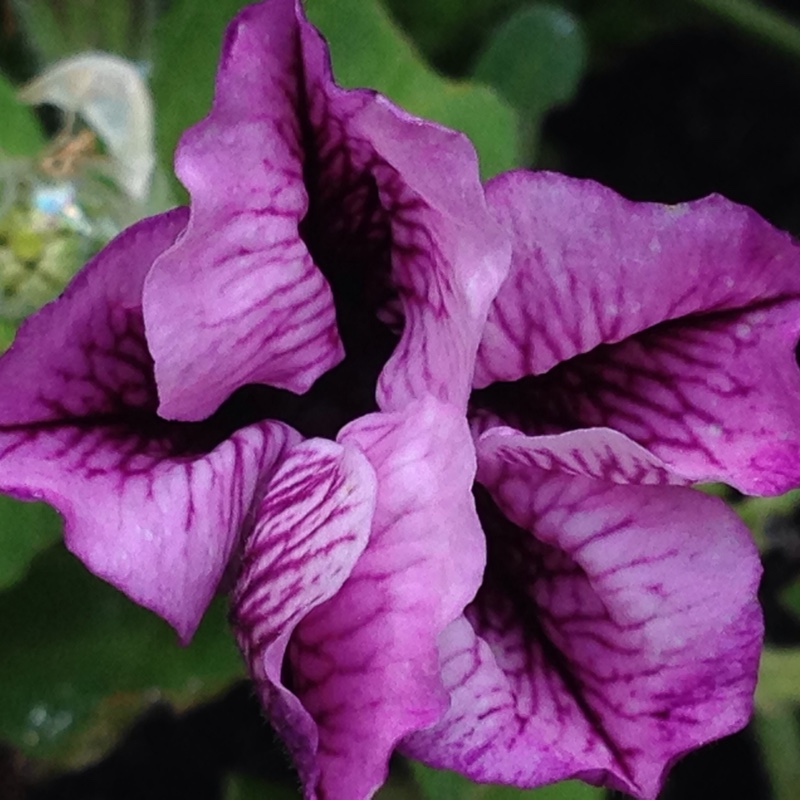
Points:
(312, 526)
(321, 218)
(617, 628)
(155, 508)
(676, 325)
(238, 299)
(599, 453)
(449, 256)
(365, 663)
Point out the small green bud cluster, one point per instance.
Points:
(48, 229)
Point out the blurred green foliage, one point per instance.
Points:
(450, 32)
(244, 787)
(444, 785)
(61, 29)
(26, 529)
(20, 134)
(185, 49)
(778, 734)
(555, 56)
(548, 76)
(72, 643)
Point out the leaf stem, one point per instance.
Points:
(757, 20)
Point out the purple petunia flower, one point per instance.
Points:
(633, 348)
(273, 391)
(335, 246)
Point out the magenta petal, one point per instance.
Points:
(364, 664)
(676, 325)
(599, 453)
(153, 507)
(617, 628)
(306, 195)
(449, 256)
(313, 524)
(238, 299)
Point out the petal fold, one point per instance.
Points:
(449, 256)
(324, 221)
(239, 299)
(153, 507)
(616, 629)
(676, 325)
(312, 525)
(365, 663)
(599, 453)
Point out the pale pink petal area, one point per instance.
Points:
(324, 221)
(365, 663)
(676, 325)
(600, 453)
(312, 525)
(153, 507)
(617, 628)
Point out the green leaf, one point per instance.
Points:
(440, 784)
(58, 30)
(790, 597)
(445, 785)
(758, 513)
(548, 73)
(246, 787)
(72, 642)
(779, 737)
(20, 134)
(44, 30)
(778, 679)
(554, 49)
(367, 49)
(25, 530)
(450, 32)
(8, 330)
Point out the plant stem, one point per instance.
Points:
(757, 20)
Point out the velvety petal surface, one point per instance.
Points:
(312, 526)
(364, 664)
(617, 628)
(321, 218)
(676, 325)
(153, 507)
